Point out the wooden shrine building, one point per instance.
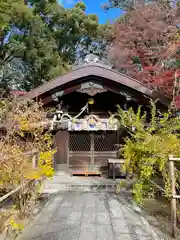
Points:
(88, 138)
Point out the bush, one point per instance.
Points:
(23, 132)
(146, 151)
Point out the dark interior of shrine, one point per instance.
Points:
(104, 103)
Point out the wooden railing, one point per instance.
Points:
(174, 197)
(9, 195)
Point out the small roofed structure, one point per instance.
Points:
(86, 137)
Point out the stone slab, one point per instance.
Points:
(88, 216)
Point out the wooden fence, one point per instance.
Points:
(34, 155)
(174, 197)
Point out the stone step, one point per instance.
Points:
(53, 191)
(62, 173)
(52, 188)
(62, 167)
(60, 179)
(50, 191)
(76, 180)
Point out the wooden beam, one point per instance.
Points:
(72, 89)
(174, 159)
(176, 196)
(118, 161)
(156, 185)
(6, 196)
(173, 200)
(14, 191)
(48, 99)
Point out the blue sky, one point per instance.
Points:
(94, 6)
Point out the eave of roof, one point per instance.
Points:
(100, 71)
(17, 93)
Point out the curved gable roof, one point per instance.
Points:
(102, 72)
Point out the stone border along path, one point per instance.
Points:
(76, 215)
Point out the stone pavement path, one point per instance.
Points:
(89, 216)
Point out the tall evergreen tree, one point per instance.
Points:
(40, 40)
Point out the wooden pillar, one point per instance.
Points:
(34, 161)
(62, 144)
(114, 177)
(173, 199)
(118, 143)
(92, 149)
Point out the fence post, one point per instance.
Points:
(173, 199)
(34, 161)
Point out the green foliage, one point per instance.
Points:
(42, 42)
(146, 151)
(81, 5)
(177, 64)
(16, 226)
(24, 134)
(122, 4)
(136, 60)
(24, 137)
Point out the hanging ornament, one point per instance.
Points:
(90, 101)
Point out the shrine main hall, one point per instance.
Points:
(85, 134)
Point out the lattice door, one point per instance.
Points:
(104, 147)
(89, 151)
(79, 142)
(105, 142)
(79, 150)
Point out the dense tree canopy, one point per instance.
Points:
(123, 4)
(145, 45)
(132, 4)
(40, 40)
